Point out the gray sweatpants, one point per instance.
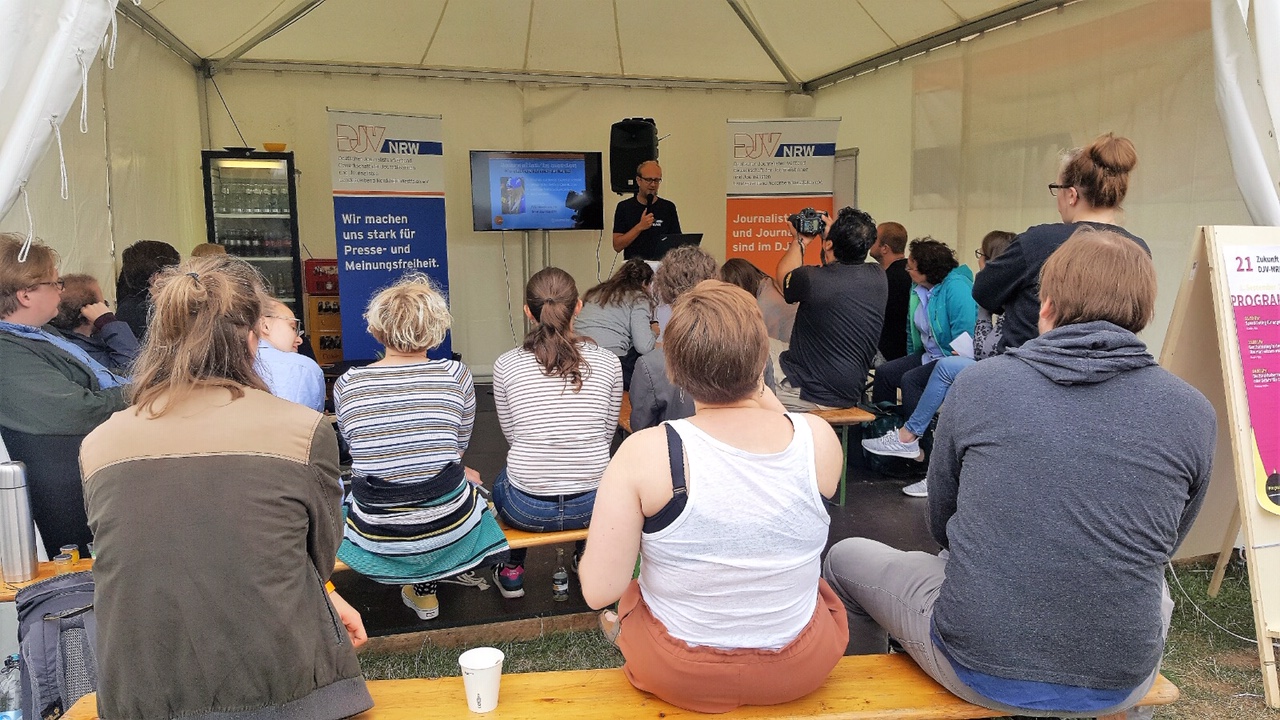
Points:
(889, 592)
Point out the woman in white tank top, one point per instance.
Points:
(725, 509)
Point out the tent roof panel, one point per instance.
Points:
(812, 48)
(489, 34)
(213, 33)
(578, 37)
(391, 32)
(683, 39)
(925, 18)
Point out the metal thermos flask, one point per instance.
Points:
(17, 528)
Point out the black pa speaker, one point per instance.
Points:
(631, 142)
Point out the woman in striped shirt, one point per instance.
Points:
(415, 515)
(558, 397)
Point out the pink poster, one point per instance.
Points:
(1253, 278)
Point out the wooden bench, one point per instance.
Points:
(624, 412)
(516, 538)
(842, 418)
(862, 687)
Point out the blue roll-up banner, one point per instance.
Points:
(388, 213)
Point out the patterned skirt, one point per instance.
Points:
(400, 533)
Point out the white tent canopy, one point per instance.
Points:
(797, 46)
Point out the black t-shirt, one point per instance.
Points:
(665, 222)
(893, 337)
(837, 327)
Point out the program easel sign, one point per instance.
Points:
(1243, 289)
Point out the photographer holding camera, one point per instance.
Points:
(841, 311)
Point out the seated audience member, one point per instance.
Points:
(653, 397)
(557, 397)
(779, 317)
(941, 309)
(1090, 187)
(1052, 600)
(841, 311)
(618, 315)
(905, 441)
(288, 374)
(208, 250)
(51, 395)
(139, 263)
(215, 512)
(890, 251)
(84, 319)
(415, 515)
(725, 510)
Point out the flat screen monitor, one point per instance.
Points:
(536, 190)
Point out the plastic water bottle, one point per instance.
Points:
(560, 579)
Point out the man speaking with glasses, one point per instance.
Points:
(289, 375)
(640, 222)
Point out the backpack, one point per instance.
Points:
(56, 635)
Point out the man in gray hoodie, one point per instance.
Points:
(1065, 473)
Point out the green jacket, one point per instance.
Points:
(46, 391)
(952, 311)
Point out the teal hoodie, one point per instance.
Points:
(952, 310)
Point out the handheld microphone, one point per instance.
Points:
(649, 199)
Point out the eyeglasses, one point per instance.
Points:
(61, 285)
(1055, 187)
(293, 323)
(979, 254)
(653, 181)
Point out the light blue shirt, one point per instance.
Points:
(293, 377)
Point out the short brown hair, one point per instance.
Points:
(207, 249)
(77, 291)
(1100, 170)
(893, 236)
(40, 263)
(410, 316)
(716, 344)
(995, 243)
(933, 259)
(681, 269)
(1100, 275)
(198, 336)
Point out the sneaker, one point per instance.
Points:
(573, 567)
(889, 444)
(510, 580)
(917, 489)
(426, 606)
(468, 579)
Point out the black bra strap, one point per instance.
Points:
(679, 492)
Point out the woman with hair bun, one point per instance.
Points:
(558, 397)
(415, 515)
(1091, 185)
(215, 514)
(618, 315)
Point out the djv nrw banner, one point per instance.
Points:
(388, 212)
(777, 167)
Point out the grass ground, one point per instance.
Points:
(1219, 674)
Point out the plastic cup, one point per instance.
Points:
(481, 677)
(63, 564)
(72, 550)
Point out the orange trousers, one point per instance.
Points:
(711, 680)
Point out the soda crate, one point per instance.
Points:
(320, 276)
(327, 346)
(323, 314)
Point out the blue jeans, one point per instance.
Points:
(537, 513)
(944, 373)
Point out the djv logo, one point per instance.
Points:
(360, 139)
(755, 145)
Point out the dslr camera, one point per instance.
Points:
(808, 222)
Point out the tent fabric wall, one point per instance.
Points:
(1247, 75)
(144, 114)
(290, 108)
(46, 49)
(965, 140)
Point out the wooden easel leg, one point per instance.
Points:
(1267, 653)
(1224, 554)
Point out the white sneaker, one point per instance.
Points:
(889, 444)
(917, 489)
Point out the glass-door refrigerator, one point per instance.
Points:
(251, 209)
